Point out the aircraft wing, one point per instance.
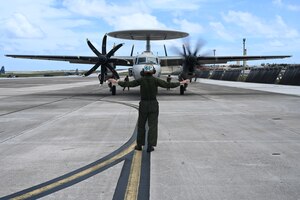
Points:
(225, 59)
(124, 60)
(178, 60)
(165, 60)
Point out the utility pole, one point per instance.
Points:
(244, 51)
(214, 56)
(244, 54)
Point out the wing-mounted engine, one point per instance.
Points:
(190, 61)
(189, 64)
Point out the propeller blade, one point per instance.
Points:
(132, 50)
(166, 54)
(189, 49)
(111, 52)
(92, 69)
(103, 70)
(199, 46)
(104, 44)
(103, 59)
(115, 73)
(187, 45)
(94, 49)
(184, 51)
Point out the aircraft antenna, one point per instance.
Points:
(132, 50)
(165, 50)
(148, 48)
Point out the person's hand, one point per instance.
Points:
(186, 81)
(113, 81)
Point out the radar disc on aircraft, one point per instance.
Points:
(148, 34)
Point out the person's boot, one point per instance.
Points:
(150, 148)
(138, 147)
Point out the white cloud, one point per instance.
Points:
(18, 26)
(61, 26)
(127, 16)
(221, 31)
(100, 9)
(191, 27)
(257, 27)
(291, 7)
(277, 2)
(137, 21)
(177, 5)
(39, 28)
(247, 21)
(283, 30)
(88, 8)
(133, 14)
(276, 43)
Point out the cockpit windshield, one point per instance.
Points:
(146, 60)
(141, 60)
(152, 60)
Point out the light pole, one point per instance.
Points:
(214, 50)
(244, 54)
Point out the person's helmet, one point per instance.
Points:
(149, 69)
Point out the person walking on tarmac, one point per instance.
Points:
(126, 79)
(169, 80)
(148, 106)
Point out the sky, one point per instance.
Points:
(61, 27)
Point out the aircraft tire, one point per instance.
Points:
(113, 90)
(182, 90)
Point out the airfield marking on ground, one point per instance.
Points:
(75, 176)
(87, 171)
(134, 177)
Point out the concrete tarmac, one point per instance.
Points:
(71, 139)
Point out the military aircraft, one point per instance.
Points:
(188, 59)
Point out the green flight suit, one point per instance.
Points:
(148, 108)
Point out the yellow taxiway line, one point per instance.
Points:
(75, 176)
(134, 177)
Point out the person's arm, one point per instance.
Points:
(164, 84)
(133, 83)
(186, 81)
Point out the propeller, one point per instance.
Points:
(191, 57)
(104, 59)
